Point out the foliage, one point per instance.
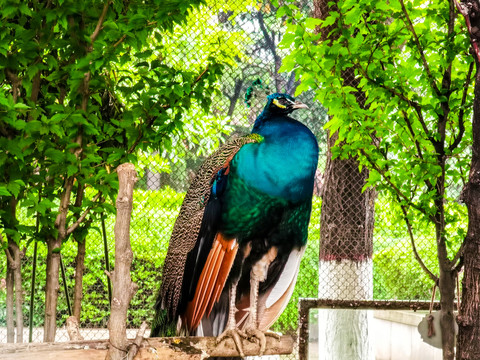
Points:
(63, 86)
(397, 275)
(411, 65)
(84, 86)
(139, 96)
(149, 247)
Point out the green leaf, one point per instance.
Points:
(14, 188)
(71, 170)
(57, 156)
(4, 191)
(330, 19)
(21, 106)
(333, 125)
(57, 250)
(312, 23)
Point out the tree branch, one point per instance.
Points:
(420, 49)
(235, 96)
(447, 77)
(60, 221)
(16, 82)
(291, 86)
(269, 41)
(461, 124)
(120, 40)
(7, 253)
(135, 346)
(417, 145)
(100, 22)
(412, 133)
(415, 105)
(473, 39)
(414, 247)
(199, 77)
(82, 217)
(35, 86)
(398, 192)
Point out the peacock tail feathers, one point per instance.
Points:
(163, 325)
(188, 223)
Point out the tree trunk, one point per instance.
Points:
(54, 246)
(79, 269)
(446, 279)
(14, 283)
(345, 268)
(346, 241)
(79, 261)
(447, 320)
(9, 302)
(51, 289)
(17, 274)
(468, 342)
(123, 287)
(168, 348)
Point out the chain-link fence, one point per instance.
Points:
(164, 177)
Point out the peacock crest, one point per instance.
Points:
(257, 90)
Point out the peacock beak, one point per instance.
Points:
(299, 105)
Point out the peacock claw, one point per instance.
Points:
(261, 336)
(236, 335)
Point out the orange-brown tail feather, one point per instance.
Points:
(230, 253)
(212, 280)
(207, 281)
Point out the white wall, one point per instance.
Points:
(397, 338)
(394, 334)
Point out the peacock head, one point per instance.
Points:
(282, 104)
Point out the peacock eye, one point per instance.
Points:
(279, 102)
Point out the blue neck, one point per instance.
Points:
(260, 120)
(284, 163)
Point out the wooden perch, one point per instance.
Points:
(177, 348)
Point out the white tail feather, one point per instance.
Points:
(288, 275)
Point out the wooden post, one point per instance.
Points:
(123, 287)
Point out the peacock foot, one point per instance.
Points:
(236, 335)
(261, 336)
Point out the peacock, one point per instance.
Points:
(236, 246)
